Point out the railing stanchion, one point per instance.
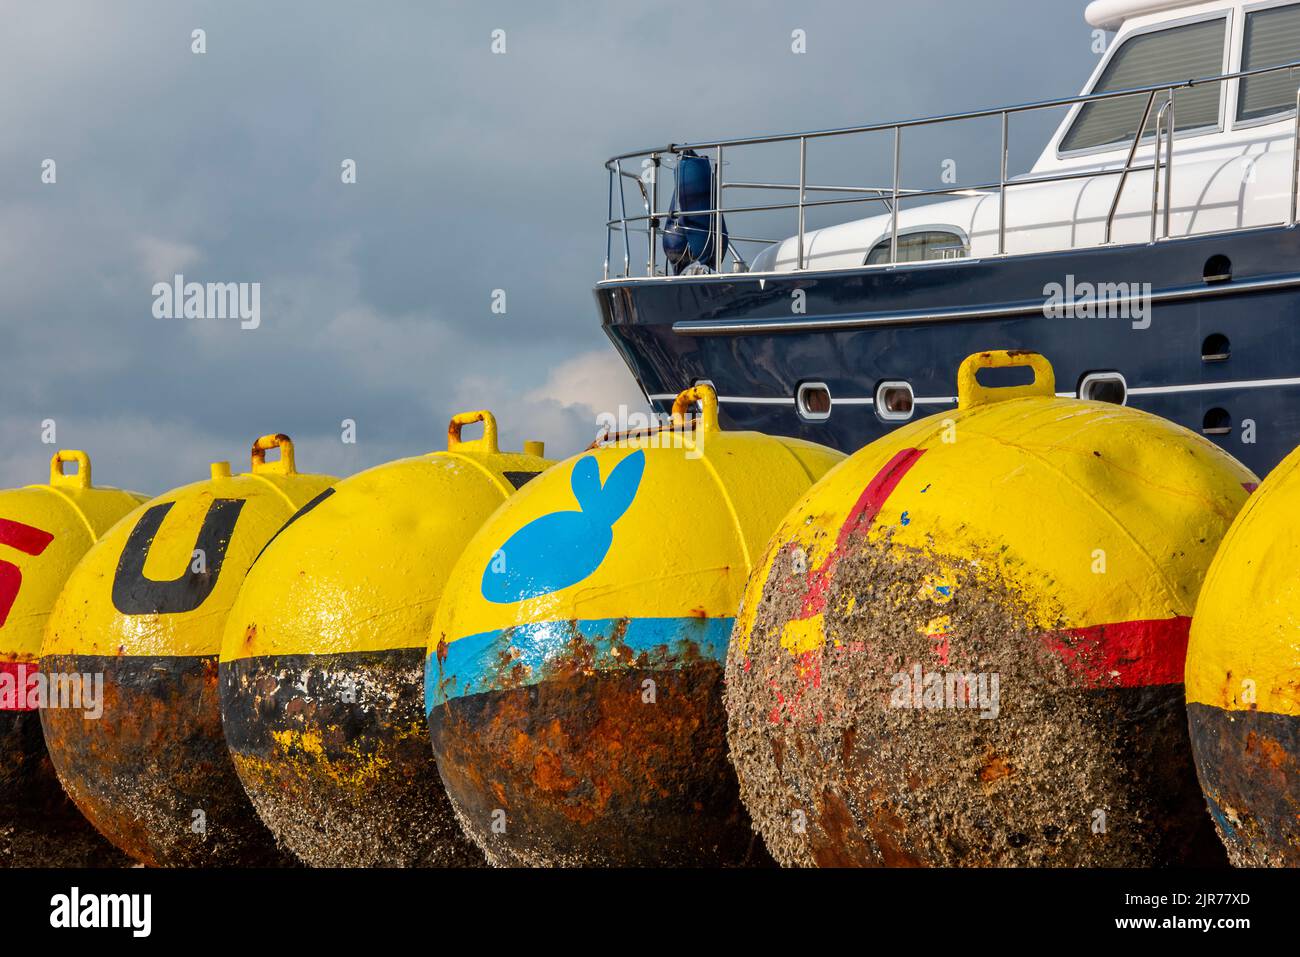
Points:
(1295, 160)
(1155, 167)
(1171, 127)
(1155, 180)
(609, 214)
(622, 205)
(1002, 191)
(893, 223)
(803, 182)
(1123, 176)
(718, 251)
(654, 212)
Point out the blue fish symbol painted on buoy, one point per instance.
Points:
(562, 548)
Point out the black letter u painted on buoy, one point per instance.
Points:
(134, 594)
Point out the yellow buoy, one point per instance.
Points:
(965, 645)
(145, 610)
(1243, 678)
(574, 675)
(322, 666)
(44, 531)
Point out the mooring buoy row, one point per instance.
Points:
(44, 532)
(146, 608)
(575, 666)
(1243, 677)
(965, 644)
(322, 668)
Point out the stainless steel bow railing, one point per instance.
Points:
(891, 195)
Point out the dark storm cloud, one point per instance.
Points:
(475, 172)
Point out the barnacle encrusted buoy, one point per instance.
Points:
(145, 608)
(965, 646)
(574, 678)
(44, 531)
(1243, 678)
(322, 666)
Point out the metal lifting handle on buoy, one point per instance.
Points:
(970, 393)
(78, 479)
(487, 443)
(283, 465)
(708, 400)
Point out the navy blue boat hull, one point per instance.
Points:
(916, 322)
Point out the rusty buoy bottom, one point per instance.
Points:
(865, 751)
(580, 770)
(39, 825)
(333, 750)
(1249, 764)
(153, 773)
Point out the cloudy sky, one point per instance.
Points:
(475, 171)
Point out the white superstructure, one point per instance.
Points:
(1233, 152)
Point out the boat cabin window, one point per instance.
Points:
(914, 247)
(1272, 38)
(1148, 59)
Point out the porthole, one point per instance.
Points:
(1216, 422)
(1215, 348)
(1218, 268)
(1104, 387)
(813, 400)
(895, 401)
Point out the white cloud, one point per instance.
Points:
(596, 381)
(563, 410)
(473, 176)
(160, 259)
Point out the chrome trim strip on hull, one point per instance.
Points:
(722, 327)
(835, 400)
(950, 399)
(1212, 386)
(740, 399)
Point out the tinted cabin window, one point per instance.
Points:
(1165, 56)
(1272, 38)
(914, 247)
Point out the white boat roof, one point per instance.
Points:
(1109, 14)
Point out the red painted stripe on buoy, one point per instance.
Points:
(25, 538)
(14, 679)
(859, 519)
(873, 497)
(1126, 654)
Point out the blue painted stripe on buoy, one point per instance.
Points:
(517, 657)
